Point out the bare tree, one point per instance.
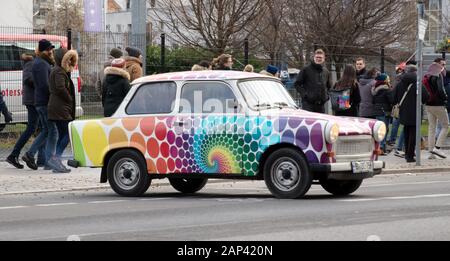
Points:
(344, 27)
(66, 14)
(213, 25)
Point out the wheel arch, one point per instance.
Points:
(108, 156)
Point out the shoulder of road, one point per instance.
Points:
(13, 181)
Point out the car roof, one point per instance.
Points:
(33, 37)
(201, 75)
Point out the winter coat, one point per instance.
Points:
(382, 100)
(366, 108)
(313, 84)
(101, 76)
(355, 100)
(361, 74)
(134, 67)
(61, 106)
(41, 72)
(437, 86)
(115, 88)
(27, 82)
(408, 109)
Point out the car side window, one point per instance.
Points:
(153, 98)
(207, 97)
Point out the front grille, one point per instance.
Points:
(354, 145)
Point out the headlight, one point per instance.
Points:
(331, 133)
(379, 131)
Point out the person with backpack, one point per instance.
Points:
(345, 97)
(433, 85)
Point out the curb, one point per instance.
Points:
(415, 170)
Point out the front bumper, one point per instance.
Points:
(343, 171)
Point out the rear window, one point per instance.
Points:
(153, 98)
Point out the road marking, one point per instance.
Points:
(56, 204)
(12, 207)
(153, 199)
(404, 184)
(107, 201)
(397, 198)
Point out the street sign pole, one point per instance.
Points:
(422, 25)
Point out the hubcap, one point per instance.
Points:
(285, 174)
(126, 174)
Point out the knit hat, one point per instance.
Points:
(272, 69)
(382, 78)
(133, 52)
(435, 69)
(118, 63)
(45, 45)
(116, 53)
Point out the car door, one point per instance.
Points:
(212, 126)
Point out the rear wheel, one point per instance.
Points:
(341, 187)
(188, 185)
(127, 173)
(287, 174)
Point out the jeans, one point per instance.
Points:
(33, 119)
(394, 130)
(401, 141)
(52, 140)
(39, 142)
(63, 134)
(386, 121)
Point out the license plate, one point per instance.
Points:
(362, 167)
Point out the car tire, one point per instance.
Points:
(341, 187)
(287, 174)
(127, 173)
(188, 185)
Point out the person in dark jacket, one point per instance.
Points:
(436, 109)
(40, 71)
(313, 84)
(366, 84)
(224, 62)
(349, 81)
(33, 119)
(117, 86)
(408, 109)
(382, 102)
(115, 53)
(361, 71)
(61, 107)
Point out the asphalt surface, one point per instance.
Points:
(391, 207)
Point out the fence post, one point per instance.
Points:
(246, 49)
(163, 53)
(69, 39)
(382, 59)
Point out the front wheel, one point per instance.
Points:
(188, 185)
(286, 174)
(127, 174)
(341, 188)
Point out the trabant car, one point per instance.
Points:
(193, 126)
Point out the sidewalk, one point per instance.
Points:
(13, 181)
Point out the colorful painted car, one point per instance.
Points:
(191, 126)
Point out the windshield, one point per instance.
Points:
(266, 94)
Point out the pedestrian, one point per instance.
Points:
(40, 72)
(205, 64)
(360, 68)
(61, 107)
(405, 95)
(446, 75)
(313, 84)
(117, 86)
(224, 62)
(272, 71)
(113, 54)
(249, 68)
(347, 94)
(4, 109)
(198, 67)
(33, 119)
(366, 84)
(134, 63)
(436, 107)
(383, 103)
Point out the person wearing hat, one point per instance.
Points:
(134, 63)
(61, 107)
(115, 53)
(40, 72)
(433, 86)
(116, 87)
(272, 70)
(382, 102)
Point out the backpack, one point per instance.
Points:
(340, 99)
(432, 96)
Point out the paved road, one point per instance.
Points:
(392, 207)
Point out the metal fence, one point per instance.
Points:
(93, 49)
